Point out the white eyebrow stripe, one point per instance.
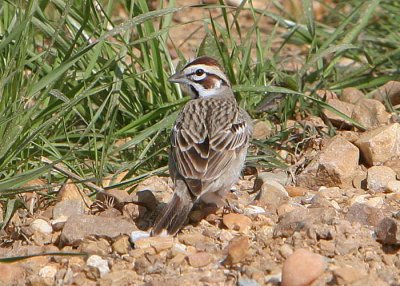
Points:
(191, 69)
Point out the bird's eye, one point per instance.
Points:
(199, 72)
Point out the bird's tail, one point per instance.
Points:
(174, 214)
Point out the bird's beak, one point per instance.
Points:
(178, 77)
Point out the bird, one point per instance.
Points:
(209, 143)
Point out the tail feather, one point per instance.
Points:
(174, 214)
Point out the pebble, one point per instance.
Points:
(253, 210)
(388, 231)
(101, 264)
(330, 168)
(237, 222)
(138, 234)
(121, 245)
(375, 202)
(42, 226)
(378, 145)
(48, 271)
(237, 250)
(281, 177)
(200, 259)
(99, 247)
(378, 178)
(286, 250)
(247, 282)
(302, 268)
(272, 195)
(294, 191)
(159, 243)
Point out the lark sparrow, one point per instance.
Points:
(209, 143)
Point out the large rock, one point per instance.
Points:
(390, 91)
(78, 227)
(370, 113)
(380, 144)
(334, 166)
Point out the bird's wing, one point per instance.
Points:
(202, 154)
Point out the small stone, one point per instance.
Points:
(337, 120)
(327, 247)
(370, 113)
(389, 91)
(138, 234)
(261, 130)
(286, 250)
(379, 145)
(118, 278)
(159, 243)
(122, 245)
(253, 210)
(272, 195)
(375, 202)
(48, 271)
(331, 168)
(67, 208)
(364, 214)
(99, 263)
(280, 177)
(393, 186)
(388, 231)
(294, 191)
(348, 275)
(237, 222)
(302, 268)
(351, 95)
(378, 178)
(99, 247)
(247, 282)
(200, 259)
(360, 180)
(237, 250)
(78, 227)
(41, 226)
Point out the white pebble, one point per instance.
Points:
(99, 263)
(42, 226)
(48, 272)
(137, 234)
